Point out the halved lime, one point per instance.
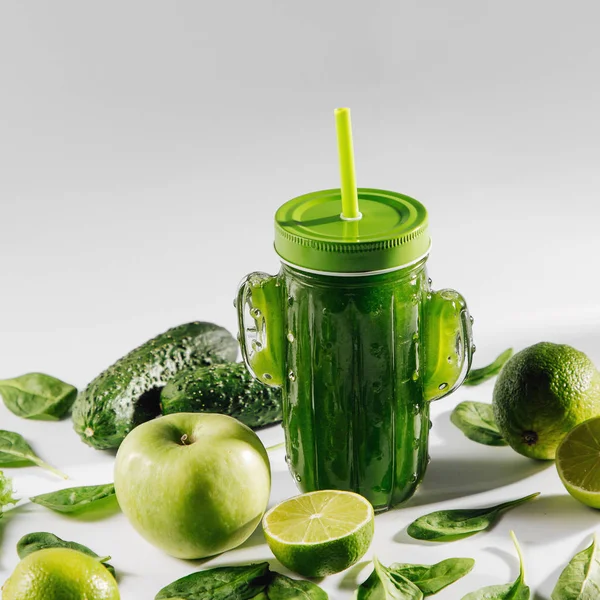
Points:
(578, 462)
(320, 533)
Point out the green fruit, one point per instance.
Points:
(128, 392)
(320, 533)
(541, 394)
(228, 389)
(60, 574)
(193, 485)
(578, 462)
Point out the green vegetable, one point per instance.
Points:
(476, 421)
(228, 389)
(477, 376)
(385, 584)
(128, 392)
(451, 525)
(430, 579)
(220, 583)
(32, 542)
(38, 396)
(281, 587)
(75, 499)
(508, 591)
(15, 452)
(6, 492)
(580, 579)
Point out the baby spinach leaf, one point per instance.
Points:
(451, 525)
(75, 499)
(38, 396)
(581, 577)
(14, 451)
(476, 420)
(430, 579)
(6, 492)
(477, 376)
(508, 591)
(220, 583)
(285, 588)
(384, 584)
(32, 542)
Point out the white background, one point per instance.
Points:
(144, 147)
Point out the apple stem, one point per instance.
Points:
(184, 439)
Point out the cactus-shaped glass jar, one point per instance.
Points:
(352, 331)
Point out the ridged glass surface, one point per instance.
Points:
(354, 413)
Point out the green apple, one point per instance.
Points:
(193, 484)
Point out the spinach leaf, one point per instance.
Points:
(581, 577)
(451, 525)
(75, 499)
(220, 583)
(14, 451)
(476, 421)
(508, 591)
(430, 579)
(38, 396)
(6, 492)
(284, 588)
(32, 542)
(477, 376)
(384, 584)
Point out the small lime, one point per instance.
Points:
(578, 462)
(320, 533)
(60, 574)
(541, 394)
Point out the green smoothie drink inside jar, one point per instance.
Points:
(353, 333)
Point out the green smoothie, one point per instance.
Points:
(355, 414)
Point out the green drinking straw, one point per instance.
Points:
(343, 127)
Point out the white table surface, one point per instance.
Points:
(144, 148)
(461, 474)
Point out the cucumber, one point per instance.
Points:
(128, 392)
(228, 389)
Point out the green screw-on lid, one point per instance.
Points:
(391, 232)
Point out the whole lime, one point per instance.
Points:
(60, 574)
(541, 394)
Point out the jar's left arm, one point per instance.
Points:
(448, 340)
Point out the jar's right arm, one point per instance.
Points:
(448, 341)
(260, 319)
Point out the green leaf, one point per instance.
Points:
(38, 396)
(383, 584)
(6, 492)
(430, 579)
(476, 421)
(580, 579)
(508, 591)
(75, 499)
(220, 583)
(14, 451)
(284, 588)
(32, 542)
(477, 376)
(451, 525)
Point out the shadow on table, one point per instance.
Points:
(460, 467)
(554, 517)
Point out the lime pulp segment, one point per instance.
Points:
(317, 517)
(578, 457)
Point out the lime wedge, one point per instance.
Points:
(578, 462)
(320, 533)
